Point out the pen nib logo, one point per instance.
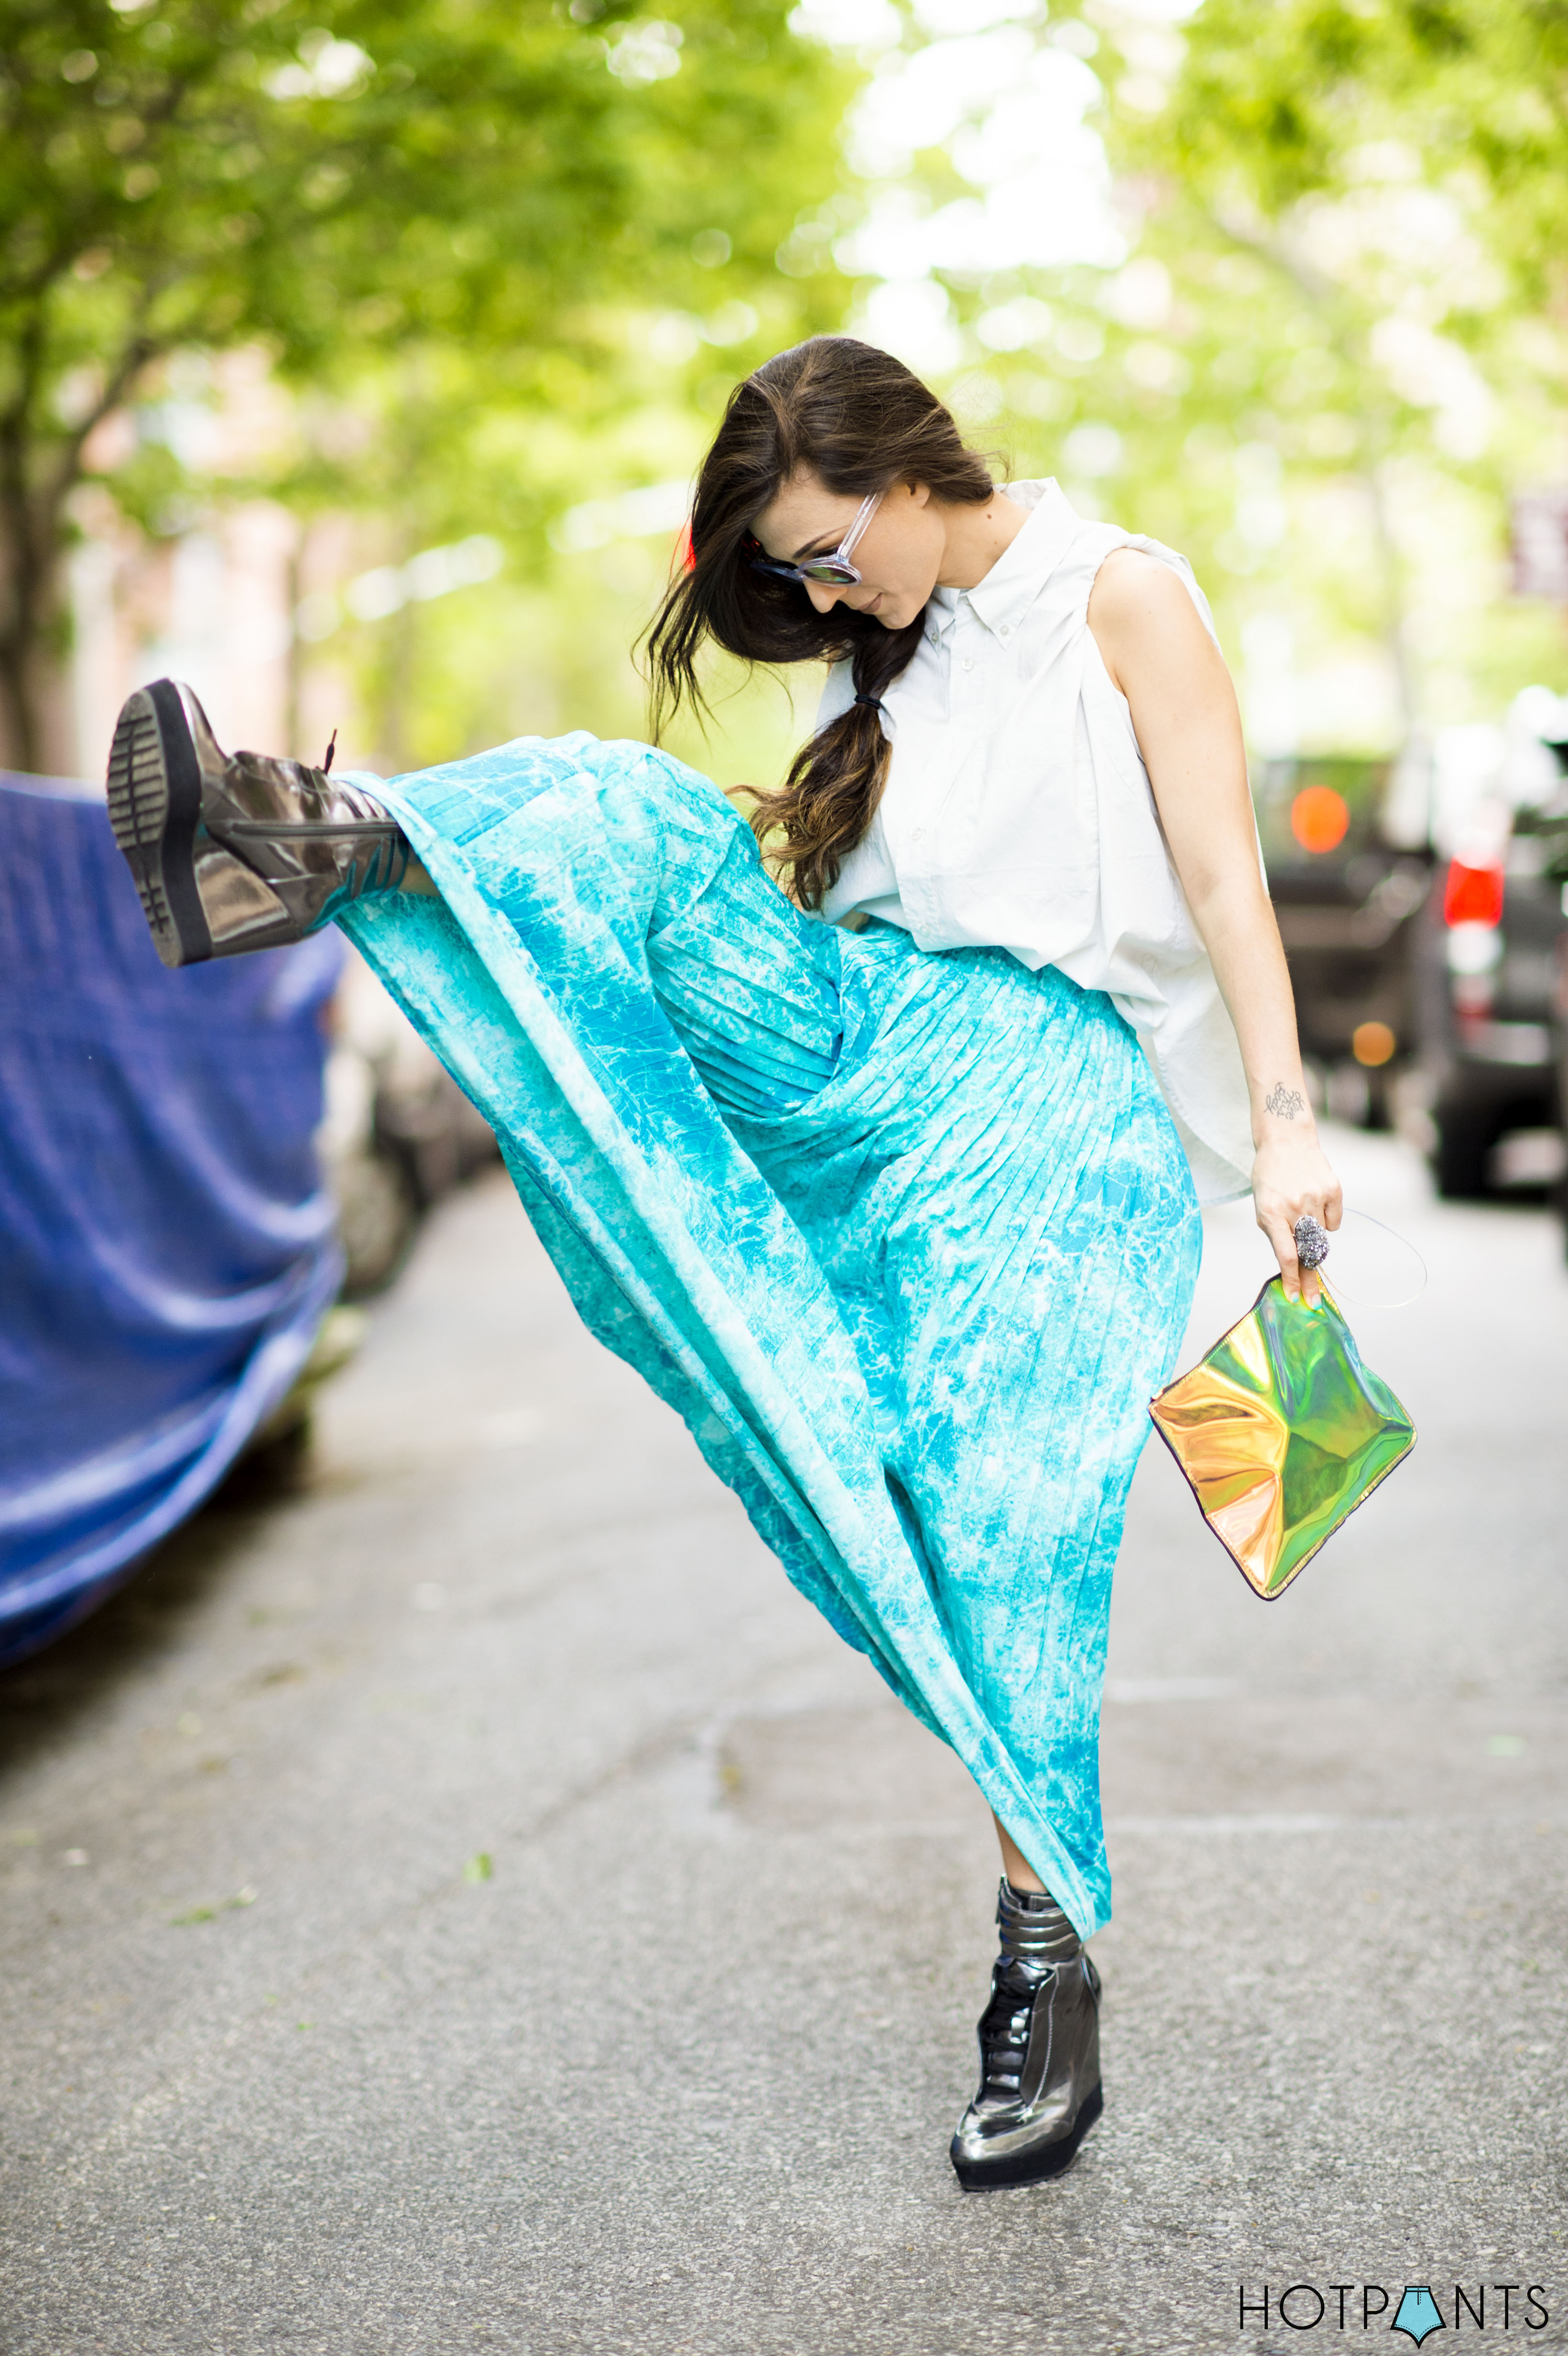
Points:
(1418, 2315)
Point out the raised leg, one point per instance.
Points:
(235, 852)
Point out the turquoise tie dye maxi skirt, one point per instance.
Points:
(908, 1240)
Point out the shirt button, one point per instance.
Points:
(1006, 630)
(936, 637)
(919, 834)
(968, 662)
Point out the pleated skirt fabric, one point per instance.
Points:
(907, 1239)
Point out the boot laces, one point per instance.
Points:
(1016, 1988)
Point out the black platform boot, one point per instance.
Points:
(240, 852)
(1039, 2050)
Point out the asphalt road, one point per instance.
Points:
(473, 1903)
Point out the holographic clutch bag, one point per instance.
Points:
(1281, 1432)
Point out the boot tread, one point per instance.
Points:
(155, 808)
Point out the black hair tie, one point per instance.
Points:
(874, 700)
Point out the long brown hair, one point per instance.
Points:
(862, 421)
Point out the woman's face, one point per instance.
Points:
(899, 556)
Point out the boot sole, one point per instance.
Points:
(1031, 2167)
(154, 810)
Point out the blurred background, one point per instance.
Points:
(358, 357)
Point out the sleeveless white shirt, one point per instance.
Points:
(1019, 815)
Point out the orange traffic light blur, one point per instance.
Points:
(1373, 1043)
(1319, 819)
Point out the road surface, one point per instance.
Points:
(473, 1903)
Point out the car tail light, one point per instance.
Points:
(1473, 895)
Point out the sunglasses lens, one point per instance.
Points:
(825, 569)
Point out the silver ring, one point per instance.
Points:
(1311, 1243)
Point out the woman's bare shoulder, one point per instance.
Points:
(1140, 612)
(1132, 586)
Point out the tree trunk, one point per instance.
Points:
(32, 733)
(39, 469)
(22, 594)
(21, 583)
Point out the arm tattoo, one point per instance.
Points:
(1285, 1102)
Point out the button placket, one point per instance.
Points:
(947, 640)
(964, 644)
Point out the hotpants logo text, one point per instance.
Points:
(1415, 2310)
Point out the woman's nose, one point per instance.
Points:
(823, 595)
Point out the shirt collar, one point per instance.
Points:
(1024, 566)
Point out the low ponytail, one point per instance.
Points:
(862, 421)
(811, 824)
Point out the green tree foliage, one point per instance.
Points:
(358, 186)
(1361, 207)
(1336, 340)
(1277, 102)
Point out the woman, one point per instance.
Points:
(888, 1180)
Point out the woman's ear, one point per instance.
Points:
(919, 493)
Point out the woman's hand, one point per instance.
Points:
(1292, 1179)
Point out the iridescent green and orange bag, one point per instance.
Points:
(1282, 1432)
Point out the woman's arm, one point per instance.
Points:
(1183, 705)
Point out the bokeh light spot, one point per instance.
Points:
(1473, 895)
(1319, 819)
(1373, 1043)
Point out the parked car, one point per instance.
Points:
(1347, 899)
(1552, 829)
(1488, 950)
(397, 1132)
(165, 1240)
(1560, 1046)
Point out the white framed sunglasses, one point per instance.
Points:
(834, 572)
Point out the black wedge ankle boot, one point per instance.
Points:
(240, 852)
(1039, 2050)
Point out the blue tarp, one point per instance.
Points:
(167, 1245)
